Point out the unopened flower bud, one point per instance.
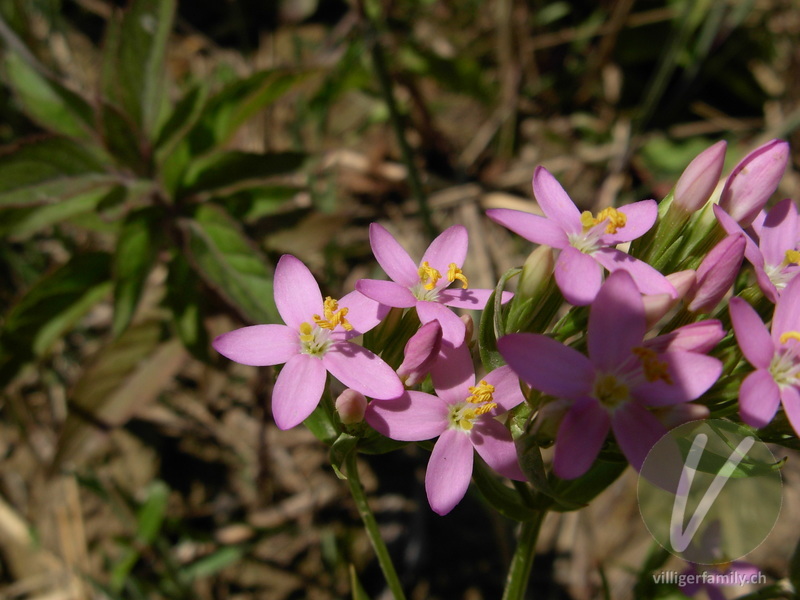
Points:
(700, 337)
(754, 180)
(536, 272)
(700, 178)
(716, 274)
(658, 305)
(351, 406)
(420, 353)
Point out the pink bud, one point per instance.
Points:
(754, 180)
(420, 353)
(696, 337)
(351, 406)
(658, 305)
(716, 274)
(698, 181)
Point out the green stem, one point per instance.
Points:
(520, 570)
(371, 525)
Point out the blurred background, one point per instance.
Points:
(160, 156)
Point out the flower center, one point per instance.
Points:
(616, 219)
(314, 340)
(429, 278)
(333, 316)
(785, 365)
(480, 402)
(780, 275)
(610, 391)
(654, 369)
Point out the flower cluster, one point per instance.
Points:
(637, 351)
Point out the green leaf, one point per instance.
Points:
(235, 104)
(123, 377)
(213, 563)
(136, 253)
(322, 423)
(122, 138)
(180, 122)
(250, 205)
(47, 101)
(151, 513)
(530, 460)
(492, 327)
(185, 300)
(358, 592)
(229, 168)
(228, 262)
(47, 170)
(133, 75)
(344, 445)
(579, 492)
(503, 499)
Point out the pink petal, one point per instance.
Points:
(751, 251)
(691, 374)
(470, 299)
(579, 438)
(640, 218)
(259, 345)
(616, 322)
(386, 292)
(700, 337)
(297, 390)
(449, 471)
(790, 397)
(787, 311)
(392, 257)
(360, 369)
(751, 334)
(779, 232)
(765, 283)
(578, 276)
(453, 374)
(536, 229)
(647, 279)
(759, 398)
(636, 430)
(507, 391)
(555, 202)
(548, 365)
(297, 294)
(450, 246)
(412, 417)
(453, 328)
(494, 445)
(717, 273)
(363, 313)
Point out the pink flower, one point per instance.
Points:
(716, 274)
(425, 286)
(618, 382)
(313, 342)
(736, 573)
(463, 415)
(586, 242)
(774, 256)
(698, 181)
(776, 358)
(753, 181)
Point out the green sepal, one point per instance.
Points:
(492, 325)
(344, 445)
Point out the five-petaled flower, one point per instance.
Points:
(426, 286)
(463, 414)
(614, 387)
(313, 342)
(776, 358)
(586, 241)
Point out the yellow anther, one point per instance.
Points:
(428, 276)
(305, 332)
(485, 408)
(481, 393)
(333, 316)
(616, 219)
(609, 390)
(654, 369)
(792, 258)
(789, 335)
(453, 273)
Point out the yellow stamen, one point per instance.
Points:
(453, 273)
(465, 423)
(305, 332)
(333, 316)
(789, 335)
(616, 219)
(428, 276)
(792, 258)
(610, 391)
(654, 369)
(481, 393)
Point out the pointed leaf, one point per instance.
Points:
(233, 167)
(185, 299)
(228, 262)
(183, 117)
(357, 590)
